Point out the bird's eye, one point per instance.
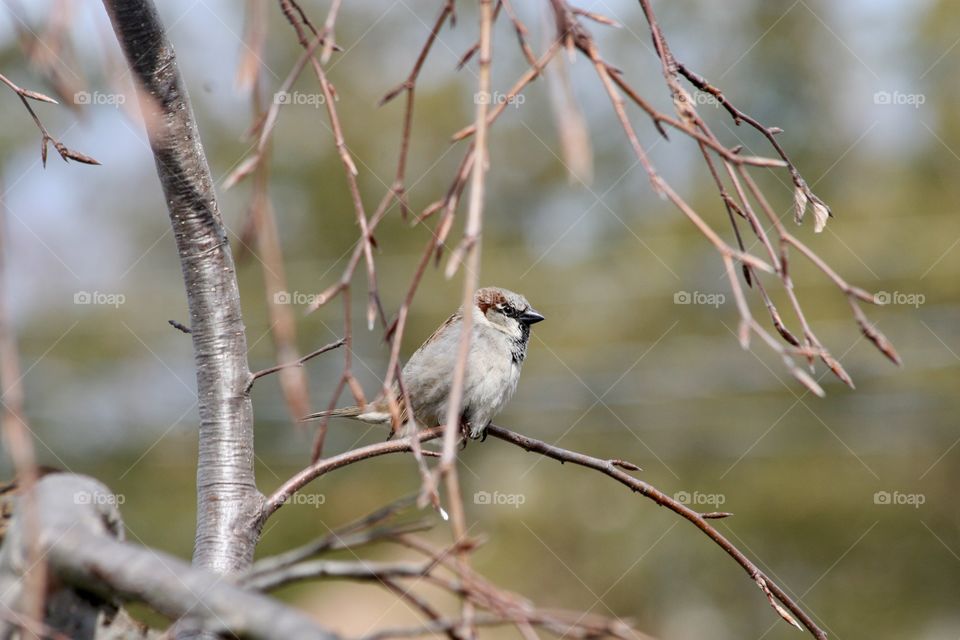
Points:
(508, 310)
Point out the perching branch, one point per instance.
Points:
(314, 471)
(615, 468)
(782, 603)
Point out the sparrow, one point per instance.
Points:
(498, 346)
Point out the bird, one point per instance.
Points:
(500, 333)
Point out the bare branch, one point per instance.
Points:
(468, 252)
(18, 440)
(65, 152)
(314, 471)
(301, 571)
(299, 362)
(179, 326)
(610, 468)
(80, 531)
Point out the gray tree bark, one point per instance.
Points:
(94, 571)
(227, 496)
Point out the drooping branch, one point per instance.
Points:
(17, 438)
(227, 493)
(689, 122)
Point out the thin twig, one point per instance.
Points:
(296, 363)
(18, 440)
(468, 251)
(46, 138)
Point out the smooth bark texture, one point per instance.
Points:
(227, 496)
(81, 537)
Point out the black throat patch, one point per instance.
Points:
(518, 350)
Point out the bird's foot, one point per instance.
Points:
(465, 433)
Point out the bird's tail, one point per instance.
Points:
(346, 412)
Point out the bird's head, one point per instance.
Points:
(506, 311)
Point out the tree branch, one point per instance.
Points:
(777, 597)
(314, 471)
(80, 533)
(310, 570)
(65, 152)
(299, 362)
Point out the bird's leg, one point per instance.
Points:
(464, 430)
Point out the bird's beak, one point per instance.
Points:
(530, 316)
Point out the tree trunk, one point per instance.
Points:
(227, 496)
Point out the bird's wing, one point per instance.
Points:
(433, 339)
